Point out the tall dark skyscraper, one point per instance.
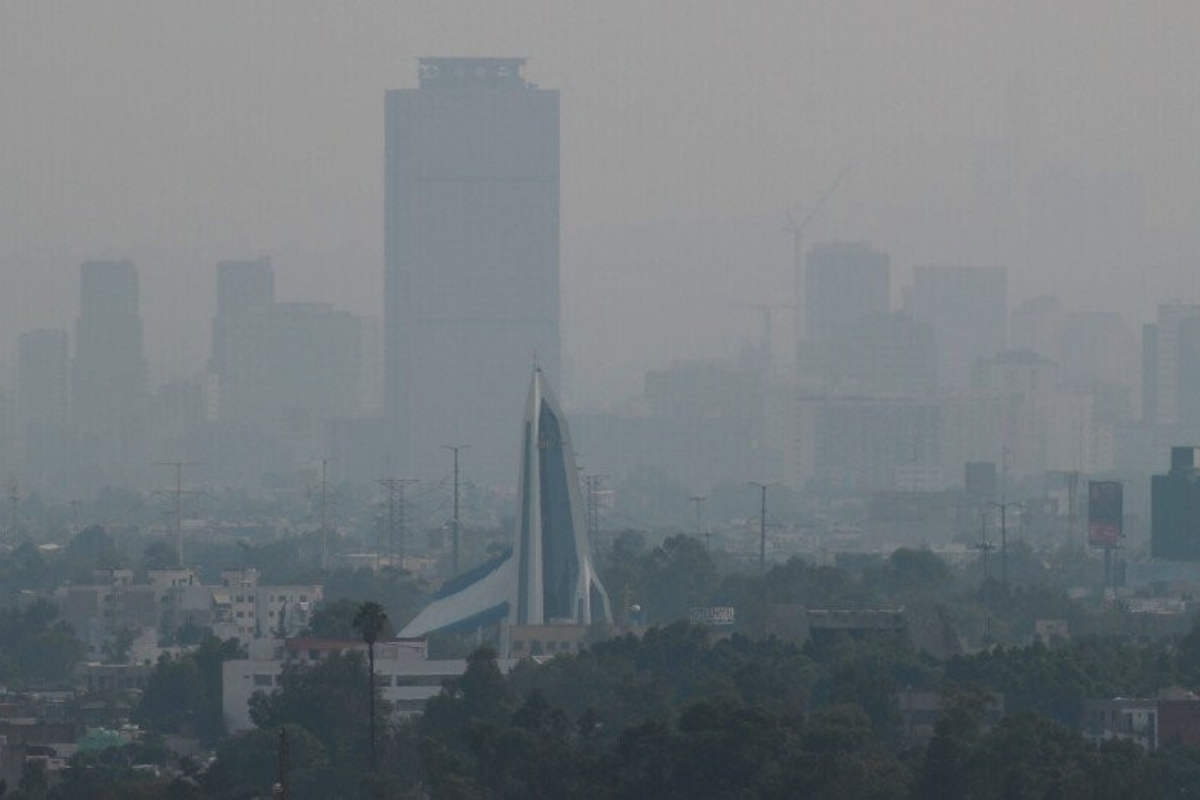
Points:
(109, 399)
(472, 259)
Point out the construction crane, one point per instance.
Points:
(796, 229)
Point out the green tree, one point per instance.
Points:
(334, 619)
(371, 621)
(247, 764)
(675, 577)
(184, 693)
(158, 555)
(323, 697)
(119, 645)
(33, 783)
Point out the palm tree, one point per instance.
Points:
(370, 621)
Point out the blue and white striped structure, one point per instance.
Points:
(548, 577)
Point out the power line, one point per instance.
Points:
(594, 485)
(396, 516)
(454, 448)
(178, 465)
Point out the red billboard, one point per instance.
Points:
(1106, 513)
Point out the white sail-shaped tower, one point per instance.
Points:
(549, 577)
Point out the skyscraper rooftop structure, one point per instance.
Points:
(472, 257)
(549, 576)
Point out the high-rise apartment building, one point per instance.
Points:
(1171, 365)
(109, 395)
(242, 286)
(867, 444)
(968, 309)
(883, 354)
(472, 259)
(844, 282)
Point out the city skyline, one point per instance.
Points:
(664, 186)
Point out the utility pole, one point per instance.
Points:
(985, 547)
(697, 499)
(454, 448)
(325, 514)
(762, 527)
(178, 493)
(396, 516)
(593, 485)
(1004, 539)
(281, 785)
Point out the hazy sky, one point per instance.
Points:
(180, 133)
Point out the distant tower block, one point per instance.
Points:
(549, 576)
(471, 280)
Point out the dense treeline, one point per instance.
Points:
(670, 713)
(36, 648)
(675, 714)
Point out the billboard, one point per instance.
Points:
(719, 615)
(1106, 513)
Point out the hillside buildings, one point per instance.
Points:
(172, 599)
